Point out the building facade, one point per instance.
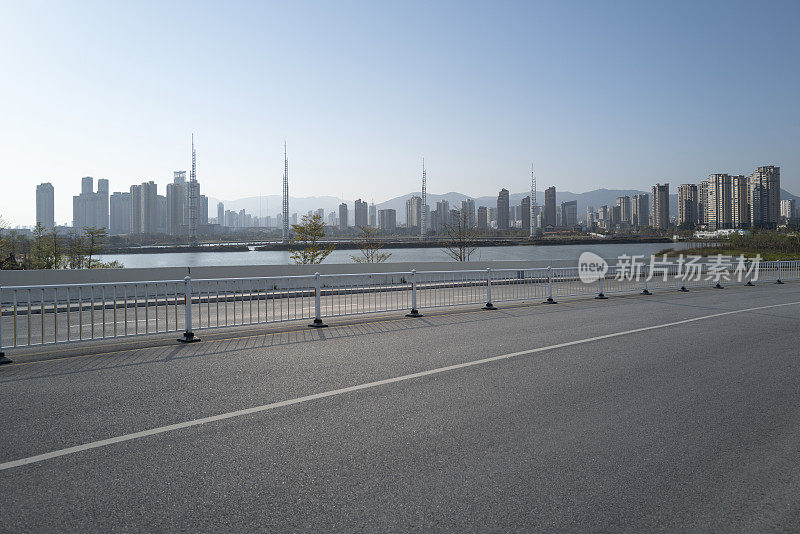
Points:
(45, 205)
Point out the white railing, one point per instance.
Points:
(49, 314)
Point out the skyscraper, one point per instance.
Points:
(101, 203)
(660, 214)
(120, 209)
(136, 209)
(373, 216)
(45, 202)
(175, 203)
(149, 206)
(387, 220)
(624, 204)
(549, 206)
(719, 214)
(740, 204)
(468, 212)
(788, 208)
(687, 205)
(414, 212)
(483, 218)
(702, 203)
(569, 213)
(361, 213)
(90, 209)
(525, 208)
(765, 186)
(221, 214)
(502, 209)
(342, 216)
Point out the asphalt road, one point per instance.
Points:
(673, 412)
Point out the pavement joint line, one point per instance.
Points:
(368, 385)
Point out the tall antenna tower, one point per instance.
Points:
(533, 203)
(285, 195)
(194, 190)
(423, 228)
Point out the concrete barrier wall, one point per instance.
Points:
(86, 276)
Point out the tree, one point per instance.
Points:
(370, 247)
(307, 234)
(76, 251)
(55, 248)
(41, 256)
(460, 242)
(95, 237)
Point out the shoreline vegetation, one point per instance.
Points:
(772, 246)
(387, 244)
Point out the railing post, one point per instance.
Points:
(778, 281)
(414, 311)
(188, 335)
(3, 358)
(749, 279)
(600, 287)
(550, 286)
(489, 305)
(317, 323)
(645, 291)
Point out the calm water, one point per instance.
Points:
(532, 253)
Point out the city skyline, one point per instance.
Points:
(632, 97)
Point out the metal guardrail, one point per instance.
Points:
(52, 314)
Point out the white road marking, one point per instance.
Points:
(368, 385)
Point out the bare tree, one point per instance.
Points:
(370, 247)
(95, 237)
(460, 244)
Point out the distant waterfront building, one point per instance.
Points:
(549, 217)
(440, 217)
(468, 212)
(149, 206)
(788, 209)
(702, 203)
(660, 213)
(202, 210)
(502, 209)
(687, 204)
(414, 212)
(45, 205)
(483, 218)
(740, 203)
(221, 214)
(387, 220)
(343, 216)
(569, 213)
(640, 210)
(361, 213)
(90, 209)
(161, 209)
(120, 208)
(764, 195)
(624, 204)
(719, 213)
(525, 208)
(373, 216)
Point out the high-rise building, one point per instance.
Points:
(414, 212)
(342, 216)
(45, 205)
(221, 214)
(161, 209)
(788, 209)
(687, 205)
(719, 212)
(387, 220)
(149, 206)
(373, 216)
(120, 208)
(740, 205)
(765, 187)
(702, 203)
(483, 218)
(175, 204)
(640, 210)
(549, 218)
(202, 210)
(136, 209)
(90, 209)
(361, 213)
(624, 204)
(468, 212)
(502, 210)
(660, 213)
(569, 213)
(525, 208)
(440, 216)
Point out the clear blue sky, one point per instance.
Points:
(596, 94)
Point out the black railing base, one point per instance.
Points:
(550, 301)
(718, 286)
(414, 313)
(317, 323)
(489, 306)
(683, 289)
(778, 281)
(188, 337)
(750, 284)
(646, 292)
(3, 359)
(600, 297)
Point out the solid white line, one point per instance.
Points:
(316, 396)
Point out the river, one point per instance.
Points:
(522, 252)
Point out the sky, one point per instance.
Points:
(593, 94)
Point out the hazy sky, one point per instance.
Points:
(596, 94)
